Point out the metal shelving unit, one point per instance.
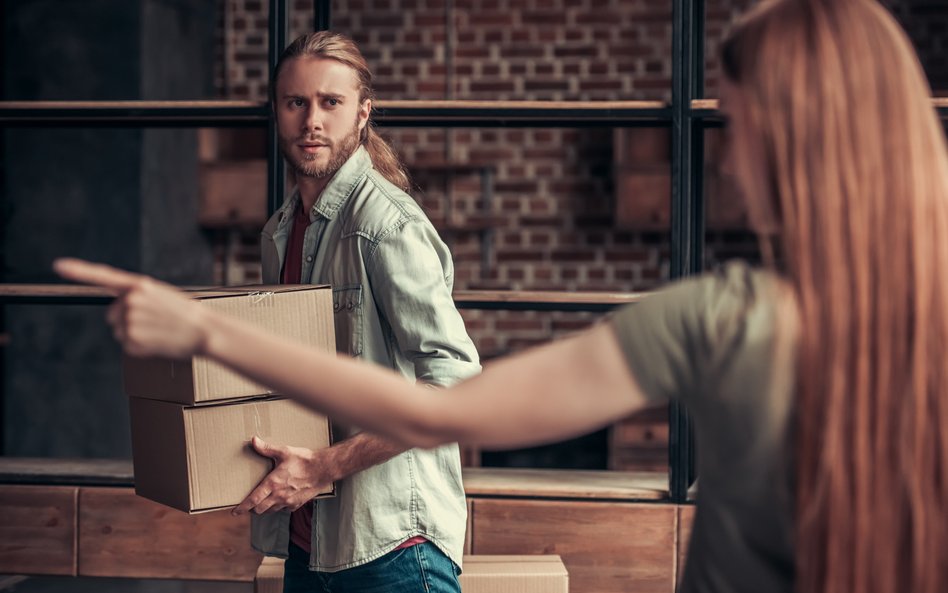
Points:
(687, 228)
(688, 114)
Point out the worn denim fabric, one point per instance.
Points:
(418, 569)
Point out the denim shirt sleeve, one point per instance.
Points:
(411, 274)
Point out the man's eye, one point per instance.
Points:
(297, 102)
(332, 102)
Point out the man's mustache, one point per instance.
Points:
(314, 140)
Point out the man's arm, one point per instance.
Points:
(300, 474)
(408, 270)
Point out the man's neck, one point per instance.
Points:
(310, 189)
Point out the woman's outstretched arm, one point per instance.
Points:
(562, 389)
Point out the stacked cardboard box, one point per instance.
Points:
(482, 574)
(192, 421)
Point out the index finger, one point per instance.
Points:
(102, 275)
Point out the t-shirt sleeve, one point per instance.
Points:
(675, 340)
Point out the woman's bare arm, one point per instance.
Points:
(559, 390)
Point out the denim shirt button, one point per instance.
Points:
(349, 306)
(335, 307)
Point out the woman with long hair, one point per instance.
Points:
(818, 386)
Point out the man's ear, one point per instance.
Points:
(364, 110)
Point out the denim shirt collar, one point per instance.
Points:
(336, 192)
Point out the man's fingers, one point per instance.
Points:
(275, 452)
(97, 274)
(255, 498)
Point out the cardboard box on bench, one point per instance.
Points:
(482, 574)
(514, 574)
(302, 313)
(199, 458)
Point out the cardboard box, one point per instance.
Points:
(514, 574)
(198, 459)
(482, 574)
(302, 313)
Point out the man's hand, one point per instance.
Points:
(298, 476)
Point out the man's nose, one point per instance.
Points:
(313, 119)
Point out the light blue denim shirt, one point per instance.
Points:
(392, 278)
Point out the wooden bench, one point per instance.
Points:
(615, 531)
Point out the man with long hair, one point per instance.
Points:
(397, 521)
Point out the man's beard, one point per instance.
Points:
(338, 154)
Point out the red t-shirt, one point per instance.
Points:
(301, 519)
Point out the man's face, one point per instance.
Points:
(318, 114)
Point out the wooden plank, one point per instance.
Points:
(686, 516)
(38, 530)
(716, 103)
(607, 547)
(66, 472)
(52, 290)
(535, 297)
(555, 483)
(514, 105)
(469, 530)
(393, 104)
(123, 535)
(14, 292)
(54, 105)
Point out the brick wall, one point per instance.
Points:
(554, 189)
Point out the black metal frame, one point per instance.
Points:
(279, 26)
(687, 230)
(687, 207)
(687, 129)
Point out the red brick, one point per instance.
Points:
(521, 256)
(600, 85)
(428, 20)
(383, 20)
(571, 325)
(548, 35)
(546, 85)
(543, 18)
(476, 51)
(544, 69)
(599, 17)
(583, 51)
(574, 255)
(413, 53)
(518, 186)
(522, 51)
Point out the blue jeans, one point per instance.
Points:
(422, 568)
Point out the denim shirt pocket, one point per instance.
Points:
(347, 313)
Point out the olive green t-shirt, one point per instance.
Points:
(711, 344)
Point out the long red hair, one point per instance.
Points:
(856, 172)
